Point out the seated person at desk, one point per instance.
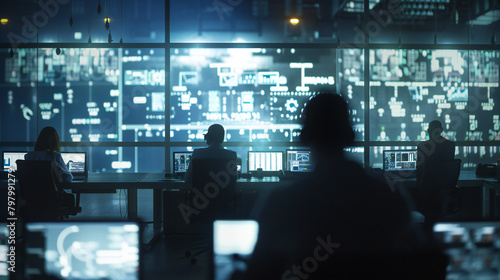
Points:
(47, 147)
(437, 148)
(214, 138)
(338, 222)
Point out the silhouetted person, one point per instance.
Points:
(214, 138)
(436, 149)
(338, 222)
(430, 154)
(47, 147)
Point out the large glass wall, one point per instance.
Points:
(153, 79)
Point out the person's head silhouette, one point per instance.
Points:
(215, 134)
(48, 140)
(435, 129)
(326, 122)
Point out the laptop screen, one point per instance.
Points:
(9, 160)
(298, 160)
(268, 161)
(232, 237)
(83, 250)
(400, 160)
(473, 248)
(181, 161)
(76, 162)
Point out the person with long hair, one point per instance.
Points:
(47, 147)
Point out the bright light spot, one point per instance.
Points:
(294, 21)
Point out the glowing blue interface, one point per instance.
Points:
(90, 250)
(298, 160)
(400, 160)
(182, 161)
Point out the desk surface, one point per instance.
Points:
(158, 181)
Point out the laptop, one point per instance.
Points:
(76, 162)
(267, 162)
(473, 248)
(233, 244)
(181, 161)
(9, 160)
(298, 161)
(400, 163)
(83, 250)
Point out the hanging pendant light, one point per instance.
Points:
(71, 14)
(109, 37)
(98, 7)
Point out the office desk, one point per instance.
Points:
(105, 182)
(468, 181)
(100, 182)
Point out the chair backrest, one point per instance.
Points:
(38, 189)
(214, 180)
(438, 180)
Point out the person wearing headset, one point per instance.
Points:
(214, 138)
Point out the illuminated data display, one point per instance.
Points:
(267, 161)
(411, 88)
(10, 158)
(473, 248)
(257, 94)
(298, 160)
(88, 95)
(75, 162)
(400, 160)
(88, 250)
(181, 161)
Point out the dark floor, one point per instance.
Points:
(165, 257)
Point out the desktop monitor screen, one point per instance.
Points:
(76, 162)
(4, 250)
(83, 250)
(268, 161)
(397, 160)
(9, 160)
(181, 161)
(232, 237)
(298, 160)
(473, 248)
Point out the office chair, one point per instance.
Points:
(437, 191)
(216, 180)
(39, 190)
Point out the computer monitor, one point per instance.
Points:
(181, 161)
(400, 160)
(76, 163)
(473, 248)
(4, 251)
(9, 159)
(298, 160)
(268, 161)
(232, 237)
(83, 250)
